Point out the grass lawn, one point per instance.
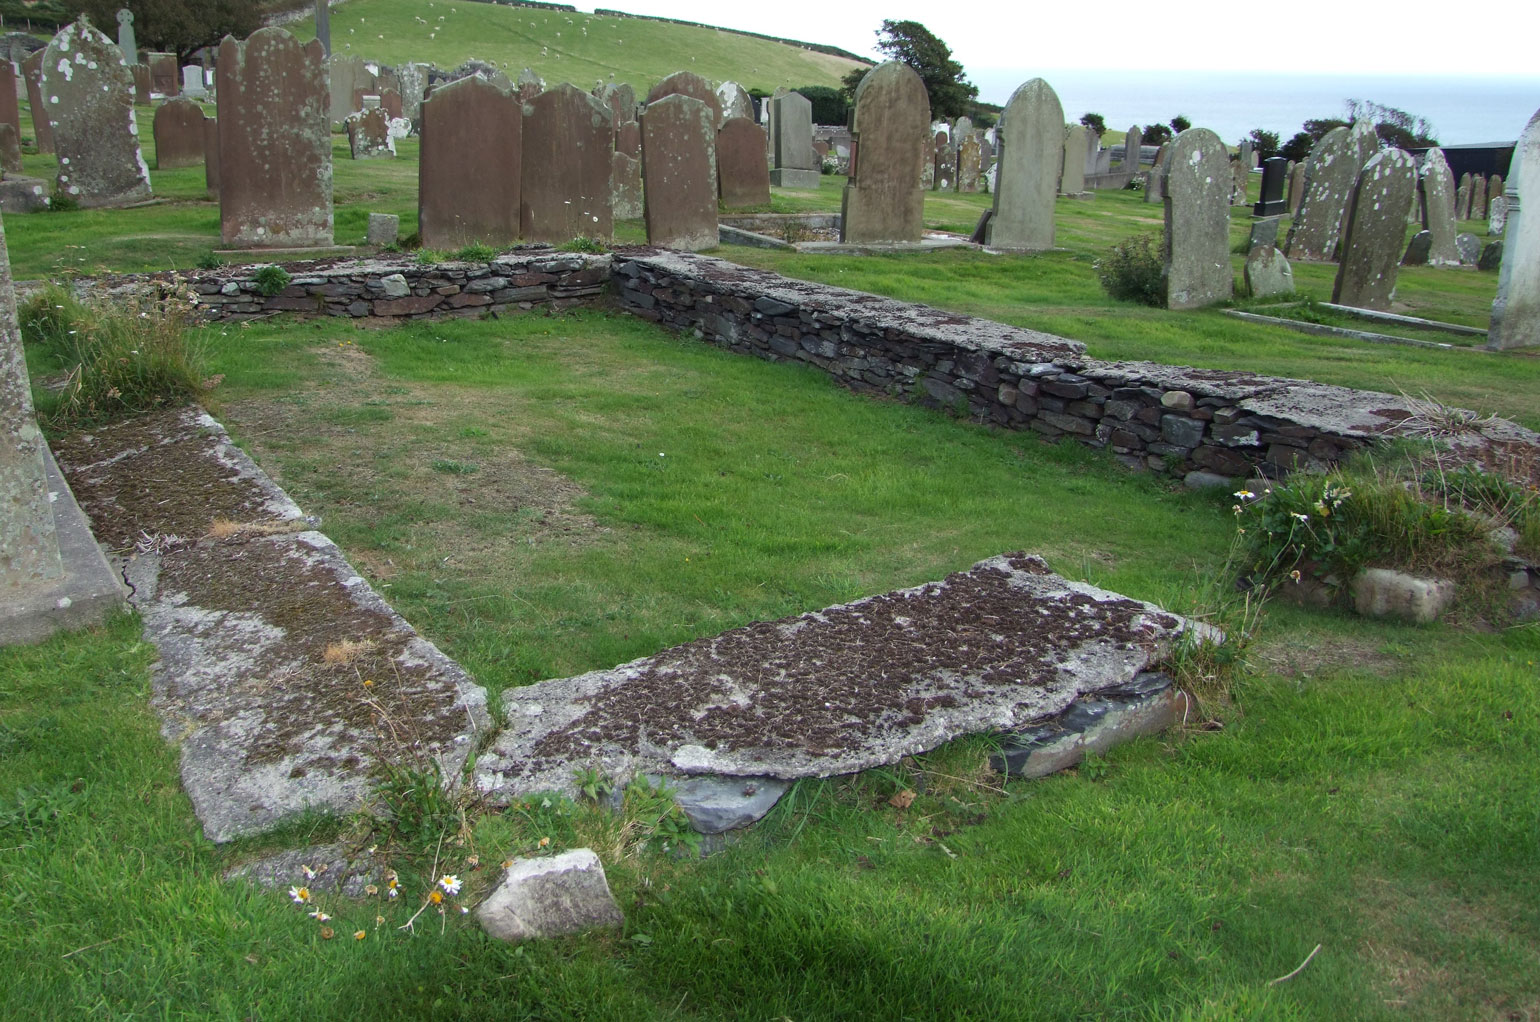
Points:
(546, 495)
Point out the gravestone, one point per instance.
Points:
(1296, 187)
(1272, 201)
(1240, 174)
(471, 165)
(1072, 182)
(128, 46)
(1478, 198)
(1462, 198)
(1497, 216)
(969, 163)
(384, 229)
(768, 111)
(1516, 309)
(1491, 256)
(679, 172)
(796, 166)
(211, 156)
(10, 109)
(1418, 248)
(1155, 180)
(192, 82)
(275, 148)
(1494, 189)
(1196, 246)
(626, 184)
(688, 83)
(178, 133)
(369, 134)
(1244, 151)
(567, 192)
(628, 138)
(889, 118)
(323, 25)
(927, 161)
(88, 93)
(1031, 136)
(733, 101)
(743, 178)
(1267, 273)
(141, 75)
(1331, 173)
(1373, 225)
(10, 149)
(1438, 208)
(1469, 247)
(1264, 233)
(42, 129)
(946, 166)
(165, 76)
(413, 81)
(346, 76)
(1131, 148)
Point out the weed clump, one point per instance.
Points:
(1132, 272)
(475, 253)
(592, 246)
(117, 359)
(271, 279)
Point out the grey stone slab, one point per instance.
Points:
(716, 805)
(384, 229)
(1380, 592)
(1491, 256)
(326, 869)
(1516, 309)
(550, 897)
(88, 92)
(882, 200)
(1418, 248)
(1197, 211)
(1330, 174)
(1469, 247)
(1092, 725)
(1267, 273)
(840, 690)
(1032, 144)
(1373, 229)
(1497, 216)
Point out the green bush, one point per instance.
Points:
(117, 359)
(271, 279)
(1132, 271)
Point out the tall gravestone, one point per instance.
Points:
(742, 176)
(1330, 174)
(471, 165)
(178, 133)
(275, 147)
(626, 183)
(1072, 181)
(927, 162)
(1497, 216)
(1131, 143)
(1462, 198)
(42, 128)
(1374, 227)
(10, 108)
(141, 75)
(679, 172)
(889, 119)
(413, 79)
(1478, 193)
(127, 44)
(1296, 187)
(1516, 310)
(1273, 201)
(970, 161)
(567, 163)
(796, 166)
(768, 110)
(1438, 209)
(1031, 134)
(1196, 246)
(88, 93)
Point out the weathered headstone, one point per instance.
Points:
(1438, 208)
(192, 82)
(679, 172)
(1418, 248)
(1196, 246)
(567, 192)
(626, 185)
(1264, 233)
(529, 85)
(733, 101)
(946, 166)
(165, 76)
(1374, 224)
(1469, 247)
(796, 166)
(969, 163)
(1132, 142)
(471, 165)
(127, 44)
(344, 77)
(1072, 182)
(1494, 188)
(890, 115)
(1330, 175)
(1240, 175)
(1267, 273)
(1497, 216)
(743, 178)
(10, 109)
(1491, 256)
(141, 76)
(178, 134)
(1155, 180)
(275, 148)
(767, 111)
(628, 138)
(88, 93)
(927, 162)
(1272, 201)
(369, 134)
(1478, 198)
(1244, 152)
(384, 229)
(42, 128)
(1296, 187)
(688, 83)
(1031, 154)
(211, 156)
(413, 79)
(1462, 198)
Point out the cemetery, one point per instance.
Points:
(485, 541)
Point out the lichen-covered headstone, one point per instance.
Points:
(733, 101)
(1296, 187)
(567, 163)
(1196, 246)
(1072, 181)
(165, 76)
(679, 173)
(529, 85)
(369, 135)
(1438, 209)
(178, 134)
(889, 119)
(42, 128)
(1032, 150)
(969, 163)
(1267, 273)
(413, 80)
(471, 165)
(1478, 198)
(1373, 229)
(1462, 198)
(1497, 216)
(275, 147)
(1516, 310)
(1330, 174)
(742, 176)
(795, 165)
(88, 93)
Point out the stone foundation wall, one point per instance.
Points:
(1151, 416)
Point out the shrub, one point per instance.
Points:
(118, 359)
(1132, 271)
(1096, 122)
(271, 279)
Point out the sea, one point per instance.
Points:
(1463, 110)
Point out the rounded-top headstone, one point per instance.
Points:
(688, 83)
(1027, 180)
(1438, 209)
(1374, 225)
(89, 94)
(1330, 174)
(1197, 205)
(883, 201)
(733, 101)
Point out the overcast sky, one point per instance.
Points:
(1018, 40)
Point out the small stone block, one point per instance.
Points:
(1381, 592)
(384, 228)
(539, 898)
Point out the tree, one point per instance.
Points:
(1394, 127)
(1156, 134)
(1298, 147)
(1180, 123)
(1264, 143)
(1096, 122)
(911, 42)
(179, 26)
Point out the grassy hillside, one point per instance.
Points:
(571, 47)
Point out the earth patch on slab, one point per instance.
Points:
(844, 689)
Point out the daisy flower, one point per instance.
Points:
(301, 895)
(450, 884)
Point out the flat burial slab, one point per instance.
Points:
(266, 634)
(839, 690)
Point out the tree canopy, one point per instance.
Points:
(180, 26)
(911, 42)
